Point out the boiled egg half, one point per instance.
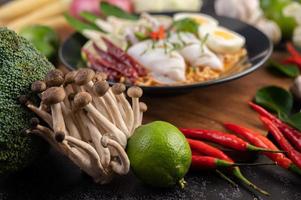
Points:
(221, 40)
(201, 19)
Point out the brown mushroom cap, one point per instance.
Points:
(54, 78)
(135, 92)
(71, 96)
(70, 77)
(84, 76)
(38, 86)
(53, 95)
(81, 99)
(23, 99)
(101, 87)
(100, 76)
(59, 137)
(34, 122)
(118, 88)
(104, 141)
(143, 107)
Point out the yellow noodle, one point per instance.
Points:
(202, 74)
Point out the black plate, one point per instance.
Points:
(258, 45)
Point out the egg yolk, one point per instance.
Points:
(200, 20)
(223, 34)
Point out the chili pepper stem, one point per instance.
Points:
(182, 183)
(223, 176)
(252, 164)
(258, 149)
(224, 163)
(295, 169)
(237, 173)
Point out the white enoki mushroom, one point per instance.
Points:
(91, 126)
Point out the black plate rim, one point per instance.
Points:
(194, 85)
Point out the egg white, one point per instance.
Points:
(221, 40)
(201, 19)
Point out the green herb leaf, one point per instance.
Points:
(287, 70)
(275, 99)
(111, 10)
(79, 25)
(186, 25)
(295, 120)
(141, 36)
(88, 16)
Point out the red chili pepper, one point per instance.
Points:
(123, 57)
(224, 139)
(291, 49)
(159, 34)
(208, 162)
(295, 55)
(290, 133)
(260, 141)
(294, 155)
(206, 149)
(203, 148)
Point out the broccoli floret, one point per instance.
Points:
(20, 65)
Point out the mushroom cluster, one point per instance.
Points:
(87, 120)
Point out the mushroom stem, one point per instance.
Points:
(96, 136)
(135, 93)
(57, 118)
(42, 114)
(83, 100)
(102, 88)
(143, 109)
(70, 122)
(82, 160)
(53, 96)
(95, 160)
(123, 167)
(83, 130)
(118, 90)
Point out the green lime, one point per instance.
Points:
(159, 154)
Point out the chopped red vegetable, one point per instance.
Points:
(159, 34)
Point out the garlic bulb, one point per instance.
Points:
(270, 28)
(294, 10)
(297, 36)
(296, 88)
(247, 11)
